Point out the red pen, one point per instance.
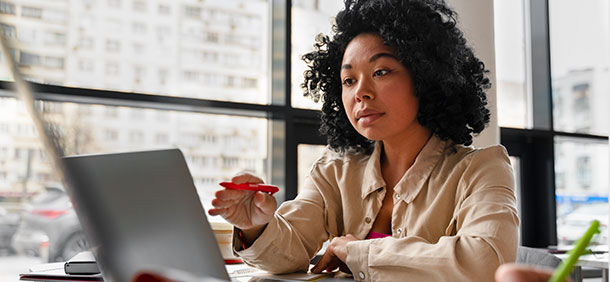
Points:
(251, 187)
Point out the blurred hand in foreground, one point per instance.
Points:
(522, 273)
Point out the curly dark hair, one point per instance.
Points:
(450, 82)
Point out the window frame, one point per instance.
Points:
(290, 126)
(536, 147)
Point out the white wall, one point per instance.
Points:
(476, 19)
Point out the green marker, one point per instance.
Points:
(564, 269)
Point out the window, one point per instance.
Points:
(139, 6)
(167, 48)
(85, 65)
(136, 137)
(552, 117)
(582, 185)
(8, 31)
(85, 43)
(164, 9)
(112, 68)
(161, 139)
(192, 12)
(138, 28)
(307, 155)
(29, 59)
(579, 65)
(113, 45)
(55, 38)
(114, 3)
(7, 8)
(511, 71)
(579, 71)
(309, 18)
(31, 12)
(54, 62)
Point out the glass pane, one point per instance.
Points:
(581, 179)
(511, 87)
(215, 146)
(579, 65)
(309, 18)
(306, 156)
(215, 49)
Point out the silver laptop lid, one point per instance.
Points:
(142, 211)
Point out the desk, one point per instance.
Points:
(595, 260)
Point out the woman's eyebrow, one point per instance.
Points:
(373, 58)
(379, 55)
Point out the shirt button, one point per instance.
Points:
(361, 275)
(399, 230)
(397, 196)
(367, 220)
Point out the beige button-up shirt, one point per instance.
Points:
(454, 217)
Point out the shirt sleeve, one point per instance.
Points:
(292, 238)
(481, 236)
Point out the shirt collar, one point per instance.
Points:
(413, 180)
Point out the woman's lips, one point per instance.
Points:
(369, 118)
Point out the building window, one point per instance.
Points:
(136, 137)
(139, 6)
(85, 43)
(55, 38)
(85, 65)
(192, 12)
(8, 31)
(111, 135)
(164, 9)
(114, 3)
(54, 62)
(113, 45)
(138, 28)
(31, 12)
(161, 139)
(7, 8)
(29, 59)
(112, 68)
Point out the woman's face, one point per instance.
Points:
(377, 90)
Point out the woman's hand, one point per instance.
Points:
(335, 255)
(520, 273)
(244, 209)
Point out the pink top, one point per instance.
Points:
(376, 235)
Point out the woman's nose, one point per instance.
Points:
(364, 91)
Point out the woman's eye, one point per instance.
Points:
(380, 72)
(348, 81)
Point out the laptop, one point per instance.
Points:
(141, 211)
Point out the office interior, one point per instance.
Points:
(221, 81)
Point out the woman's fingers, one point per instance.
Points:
(265, 202)
(520, 273)
(220, 204)
(228, 194)
(246, 177)
(325, 261)
(216, 212)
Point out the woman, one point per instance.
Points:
(398, 191)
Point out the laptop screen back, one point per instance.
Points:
(142, 208)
